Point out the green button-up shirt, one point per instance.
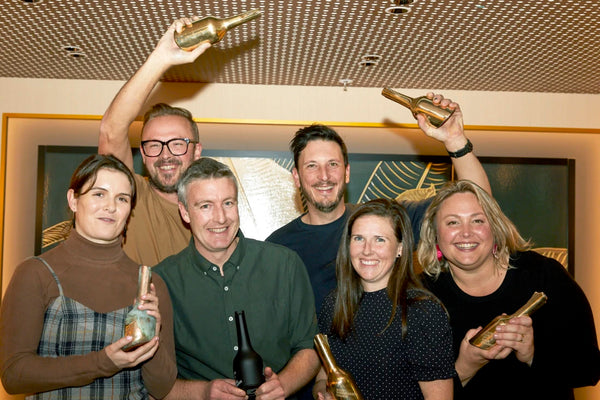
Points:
(269, 282)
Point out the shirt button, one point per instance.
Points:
(226, 288)
(230, 318)
(235, 348)
(238, 267)
(204, 272)
(214, 268)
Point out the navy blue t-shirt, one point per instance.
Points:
(317, 245)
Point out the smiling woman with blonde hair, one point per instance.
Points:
(479, 266)
(507, 238)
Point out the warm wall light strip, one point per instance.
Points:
(5, 116)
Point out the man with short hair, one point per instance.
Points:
(321, 172)
(222, 272)
(170, 142)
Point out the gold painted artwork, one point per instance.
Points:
(268, 197)
(405, 180)
(56, 233)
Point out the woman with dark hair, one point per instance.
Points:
(479, 266)
(63, 314)
(382, 326)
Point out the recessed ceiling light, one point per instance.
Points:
(366, 63)
(397, 10)
(76, 55)
(371, 57)
(72, 49)
(399, 7)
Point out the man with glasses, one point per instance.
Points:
(170, 143)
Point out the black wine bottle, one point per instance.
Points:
(247, 363)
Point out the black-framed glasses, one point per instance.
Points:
(177, 147)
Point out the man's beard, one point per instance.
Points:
(154, 178)
(321, 206)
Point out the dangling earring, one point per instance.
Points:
(439, 253)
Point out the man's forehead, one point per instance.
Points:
(322, 149)
(167, 127)
(205, 187)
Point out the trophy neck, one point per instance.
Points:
(536, 301)
(242, 331)
(398, 97)
(322, 346)
(239, 19)
(144, 276)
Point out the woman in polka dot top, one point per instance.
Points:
(383, 327)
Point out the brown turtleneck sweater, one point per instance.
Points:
(100, 277)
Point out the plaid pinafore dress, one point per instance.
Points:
(70, 329)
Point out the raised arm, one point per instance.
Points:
(452, 135)
(128, 103)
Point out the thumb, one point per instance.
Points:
(269, 374)
(200, 49)
(424, 124)
(117, 346)
(472, 332)
(122, 342)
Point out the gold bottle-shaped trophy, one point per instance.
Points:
(484, 339)
(339, 382)
(210, 29)
(138, 324)
(436, 115)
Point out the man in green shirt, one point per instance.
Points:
(221, 272)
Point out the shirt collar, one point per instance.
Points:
(235, 259)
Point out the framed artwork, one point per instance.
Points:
(537, 194)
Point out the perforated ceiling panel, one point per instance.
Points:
(492, 45)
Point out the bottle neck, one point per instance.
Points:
(398, 97)
(536, 301)
(144, 276)
(242, 331)
(324, 351)
(232, 22)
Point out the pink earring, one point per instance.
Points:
(439, 253)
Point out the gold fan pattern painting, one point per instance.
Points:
(56, 233)
(405, 180)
